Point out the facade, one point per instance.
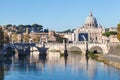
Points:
(68, 36)
(38, 37)
(52, 37)
(114, 29)
(43, 37)
(113, 39)
(90, 31)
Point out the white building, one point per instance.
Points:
(114, 29)
(90, 31)
(68, 36)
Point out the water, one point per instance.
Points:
(73, 67)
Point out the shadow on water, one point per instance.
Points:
(42, 59)
(87, 59)
(23, 60)
(2, 72)
(65, 58)
(5, 66)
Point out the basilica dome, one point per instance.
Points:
(91, 21)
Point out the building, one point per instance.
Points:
(114, 29)
(91, 31)
(113, 38)
(52, 37)
(68, 36)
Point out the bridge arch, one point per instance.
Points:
(96, 49)
(74, 48)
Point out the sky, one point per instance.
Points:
(59, 14)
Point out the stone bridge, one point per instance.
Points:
(21, 47)
(98, 47)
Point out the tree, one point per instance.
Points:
(37, 27)
(67, 31)
(20, 28)
(46, 30)
(21, 25)
(27, 26)
(59, 39)
(107, 34)
(118, 32)
(8, 25)
(1, 37)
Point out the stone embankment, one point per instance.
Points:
(115, 50)
(113, 57)
(110, 60)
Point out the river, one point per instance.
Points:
(73, 67)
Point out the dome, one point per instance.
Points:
(91, 21)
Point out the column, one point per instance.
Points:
(77, 39)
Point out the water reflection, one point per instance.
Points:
(71, 67)
(65, 58)
(87, 59)
(1, 72)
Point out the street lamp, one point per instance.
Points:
(86, 51)
(65, 51)
(86, 44)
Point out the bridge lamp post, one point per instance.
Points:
(65, 51)
(86, 44)
(86, 51)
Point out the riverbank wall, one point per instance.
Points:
(113, 57)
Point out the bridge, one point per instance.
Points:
(98, 47)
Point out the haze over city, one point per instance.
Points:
(59, 15)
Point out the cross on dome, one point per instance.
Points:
(91, 13)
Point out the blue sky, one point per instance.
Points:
(59, 14)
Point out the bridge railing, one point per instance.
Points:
(77, 43)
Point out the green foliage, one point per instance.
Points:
(22, 28)
(59, 39)
(118, 36)
(8, 25)
(67, 31)
(54, 50)
(21, 25)
(76, 52)
(61, 54)
(92, 55)
(37, 26)
(118, 47)
(118, 27)
(118, 33)
(109, 33)
(46, 30)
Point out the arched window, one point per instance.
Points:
(96, 38)
(90, 25)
